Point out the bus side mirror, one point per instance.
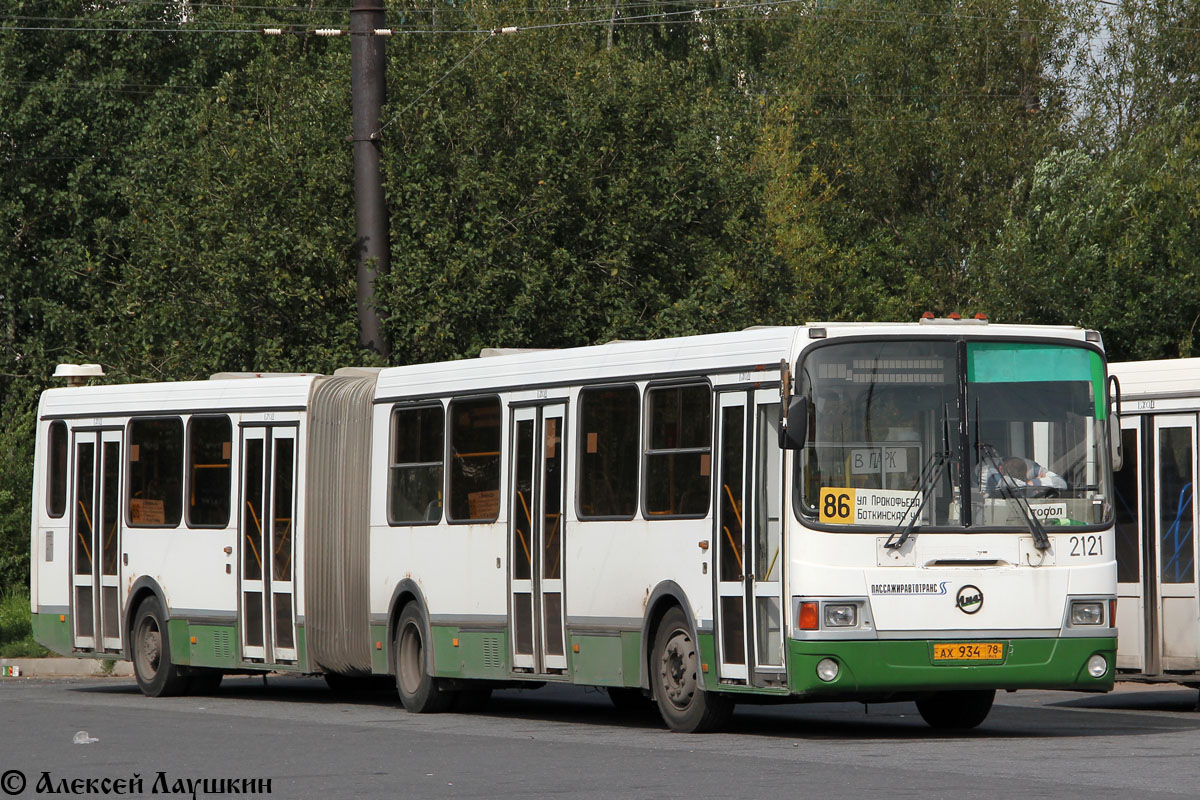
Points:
(794, 431)
(1114, 423)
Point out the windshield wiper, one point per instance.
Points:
(1040, 540)
(931, 473)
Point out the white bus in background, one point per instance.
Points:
(1156, 515)
(834, 511)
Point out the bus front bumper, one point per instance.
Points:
(883, 667)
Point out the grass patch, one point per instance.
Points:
(16, 630)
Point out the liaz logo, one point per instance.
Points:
(969, 599)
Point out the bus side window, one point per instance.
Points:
(608, 448)
(156, 472)
(56, 485)
(679, 451)
(475, 460)
(415, 468)
(210, 440)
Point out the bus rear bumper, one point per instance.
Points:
(906, 666)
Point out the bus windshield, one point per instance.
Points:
(902, 431)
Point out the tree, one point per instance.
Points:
(918, 120)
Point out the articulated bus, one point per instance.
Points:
(865, 512)
(1156, 516)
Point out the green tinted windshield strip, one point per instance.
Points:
(1004, 362)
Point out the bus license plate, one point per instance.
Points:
(969, 651)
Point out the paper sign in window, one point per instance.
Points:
(484, 505)
(147, 512)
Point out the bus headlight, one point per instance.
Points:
(1097, 666)
(1087, 612)
(827, 669)
(841, 615)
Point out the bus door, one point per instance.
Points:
(96, 533)
(1175, 518)
(1135, 583)
(535, 546)
(749, 528)
(267, 618)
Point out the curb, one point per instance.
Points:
(64, 668)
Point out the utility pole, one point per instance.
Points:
(367, 86)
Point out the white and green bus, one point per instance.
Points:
(865, 512)
(1156, 518)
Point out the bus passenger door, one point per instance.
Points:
(766, 544)
(749, 552)
(1132, 553)
(1175, 518)
(266, 609)
(96, 537)
(108, 541)
(730, 568)
(535, 547)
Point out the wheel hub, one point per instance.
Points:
(410, 659)
(678, 670)
(150, 648)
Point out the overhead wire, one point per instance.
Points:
(612, 16)
(436, 83)
(699, 14)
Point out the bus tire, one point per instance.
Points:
(419, 691)
(675, 680)
(156, 675)
(956, 711)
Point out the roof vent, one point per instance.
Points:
(78, 374)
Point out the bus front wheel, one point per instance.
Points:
(958, 711)
(675, 680)
(419, 691)
(156, 675)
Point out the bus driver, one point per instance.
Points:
(1033, 478)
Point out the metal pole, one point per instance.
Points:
(367, 64)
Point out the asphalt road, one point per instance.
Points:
(1138, 742)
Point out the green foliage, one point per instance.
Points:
(16, 487)
(1111, 242)
(905, 126)
(176, 204)
(560, 192)
(16, 632)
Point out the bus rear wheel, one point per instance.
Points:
(956, 711)
(151, 652)
(675, 680)
(419, 691)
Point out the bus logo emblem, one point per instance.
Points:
(969, 599)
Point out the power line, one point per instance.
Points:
(433, 85)
(703, 14)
